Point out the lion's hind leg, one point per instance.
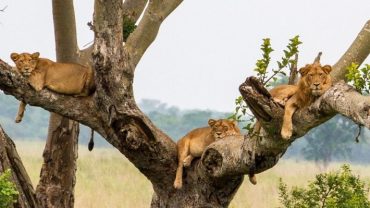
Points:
(182, 152)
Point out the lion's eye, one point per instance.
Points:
(225, 128)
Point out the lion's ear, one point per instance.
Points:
(14, 56)
(35, 55)
(327, 69)
(304, 70)
(235, 122)
(211, 122)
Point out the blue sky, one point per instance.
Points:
(205, 48)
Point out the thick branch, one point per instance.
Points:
(9, 159)
(231, 157)
(129, 130)
(148, 28)
(65, 30)
(356, 53)
(132, 9)
(72, 107)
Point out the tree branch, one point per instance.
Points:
(72, 107)
(132, 9)
(235, 156)
(129, 130)
(356, 53)
(148, 28)
(9, 159)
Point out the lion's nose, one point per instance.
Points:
(316, 84)
(218, 133)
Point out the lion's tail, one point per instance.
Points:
(91, 142)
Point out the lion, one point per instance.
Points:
(193, 144)
(280, 94)
(64, 78)
(315, 80)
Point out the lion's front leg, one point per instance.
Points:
(37, 81)
(22, 107)
(287, 128)
(37, 86)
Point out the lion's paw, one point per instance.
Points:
(286, 133)
(187, 162)
(177, 184)
(18, 119)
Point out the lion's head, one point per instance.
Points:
(223, 127)
(316, 78)
(25, 62)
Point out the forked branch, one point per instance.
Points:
(147, 30)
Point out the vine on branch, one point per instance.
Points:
(267, 77)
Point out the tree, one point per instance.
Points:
(112, 110)
(56, 188)
(329, 140)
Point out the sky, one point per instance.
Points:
(206, 48)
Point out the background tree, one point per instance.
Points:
(112, 111)
(330, 140)
(56, 187)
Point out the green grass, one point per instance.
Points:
(106, 179)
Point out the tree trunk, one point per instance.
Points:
(58, 173)
(9, 159)
(212, 180)
(57, 177)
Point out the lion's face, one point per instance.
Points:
(316, 78)
(223, 127)
(25, 62)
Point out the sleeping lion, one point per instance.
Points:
(193, 144)
(64, 78)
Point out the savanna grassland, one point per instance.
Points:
(106, 179)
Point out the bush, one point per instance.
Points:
(340, 189)
(8, 192)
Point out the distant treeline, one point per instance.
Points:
(333, 141)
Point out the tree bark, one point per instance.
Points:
(212, 180)
(356, 53)
(9, 159)
(58, 173)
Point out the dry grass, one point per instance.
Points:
(106, 179)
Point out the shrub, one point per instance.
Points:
(340, 189)
(8, 192)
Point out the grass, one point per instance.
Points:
(106, 179)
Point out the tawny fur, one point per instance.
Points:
(64, 78)
(315, 80)
(281, 95)
(194, 143)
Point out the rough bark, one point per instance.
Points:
(356, 53)
(9, 159)
(57, 177)
(212, 180)
(263, 152)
